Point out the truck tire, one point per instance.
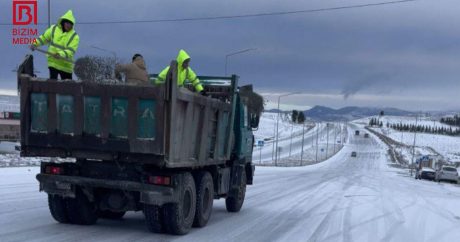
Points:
(80, 210)
(179, 216)
(111, 215)
(58, 210)
(204, 198)
(154, 218)
(234, 204)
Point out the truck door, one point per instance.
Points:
(244, 133)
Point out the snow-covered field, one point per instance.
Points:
(447, 146)
(341, 199)
(421, 120)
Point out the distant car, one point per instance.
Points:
(357, 132)
(354, 154)
(425, 173)
(447, 173)
(366, 135)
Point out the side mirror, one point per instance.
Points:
(254, 121)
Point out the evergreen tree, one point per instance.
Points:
(301, 117)
(294, 115)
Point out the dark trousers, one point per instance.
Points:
(55, 72)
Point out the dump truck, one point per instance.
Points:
(163, 150)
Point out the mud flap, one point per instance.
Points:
(250, 169)
(236, 179)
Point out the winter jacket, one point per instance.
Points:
(63, 43)
(136, 72)
(182, 74)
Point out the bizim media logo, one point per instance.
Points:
(25, 14)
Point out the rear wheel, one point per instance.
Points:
(154, 218)
(204, 199)
(57, 206)
(179, 216)
(234, 203)
(111, 215)
(80, 210)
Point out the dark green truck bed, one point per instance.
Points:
(165, 125)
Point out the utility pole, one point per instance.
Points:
(402, 136)
(303, 136)
(413, 146)
(290, 145)
(335, 135)
(327, 139)
(260, 155)
(49, 14)
(341, 132)
(277, 124)
(273, 142)
(317, 135)
(276, 133)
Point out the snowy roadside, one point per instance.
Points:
(448, 147)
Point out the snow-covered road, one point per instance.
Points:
(341, 199)
(291, 149)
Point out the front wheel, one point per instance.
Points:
(234, 203)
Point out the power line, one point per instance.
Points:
(237, 16)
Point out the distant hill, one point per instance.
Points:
(322, 113)
(274, 110)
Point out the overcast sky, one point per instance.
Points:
(402, 55)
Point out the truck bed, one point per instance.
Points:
(165, 125)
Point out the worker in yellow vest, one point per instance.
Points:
(184, 72)
(63, 43)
